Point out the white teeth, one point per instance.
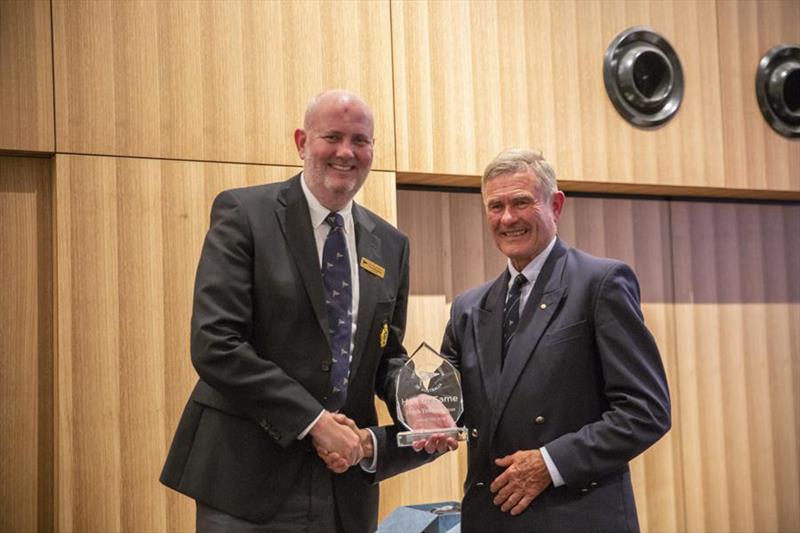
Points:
(341, 167)
(515, 233)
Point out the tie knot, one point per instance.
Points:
(334, 220)
(519, 281)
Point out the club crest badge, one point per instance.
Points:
(384, 338)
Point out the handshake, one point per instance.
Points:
(340, 443)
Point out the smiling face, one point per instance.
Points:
(335, 145)
(522, 218)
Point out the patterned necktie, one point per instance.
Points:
(338, 301)
(511, 312)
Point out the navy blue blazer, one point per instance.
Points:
(582, 376)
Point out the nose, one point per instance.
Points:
(345, 149)
(508, 216)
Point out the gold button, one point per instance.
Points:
(474, 433)
(543, 306)
(539, 419)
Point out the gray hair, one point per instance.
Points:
(517, 160)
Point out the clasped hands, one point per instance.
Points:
(340, 443)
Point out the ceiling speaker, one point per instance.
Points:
(778, 89)
(643, 77)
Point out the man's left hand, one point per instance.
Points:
(525, 477)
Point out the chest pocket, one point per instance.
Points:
(571, 332)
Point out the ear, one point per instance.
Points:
(557, 203)
(300, 142)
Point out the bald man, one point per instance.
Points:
(299, 314)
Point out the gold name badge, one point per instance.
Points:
(372, 267)
(384, 335)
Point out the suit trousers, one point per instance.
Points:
(308, 508)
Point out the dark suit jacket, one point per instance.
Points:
(260, 346)
(582, 377)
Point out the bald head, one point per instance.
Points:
(335, 145)
(339, 98)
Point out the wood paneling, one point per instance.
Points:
(451, 247)
(473, 78)
(129, 233)
(755, 155)
(737, 285)
(26, 346)
(449, 239)
(26, 76)
(221, 81)
(441, 480)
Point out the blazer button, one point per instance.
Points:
(539, 419)
(584, 490)
(326, 366)
(593, 484)
(474, 433)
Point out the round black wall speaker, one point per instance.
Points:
(778, 89)
(643, 77)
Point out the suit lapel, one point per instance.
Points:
(295, 223)
(367, 245)
(488, 326)
(540, 308)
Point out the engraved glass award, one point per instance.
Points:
(429, 397)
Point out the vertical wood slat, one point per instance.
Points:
(738, 317)
(452, 249)
(26, 76)
(473, 78)
(129, 233)
(216, 81)
(26, 346)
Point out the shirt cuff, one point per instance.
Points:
(370, 465)
(555, 475)
(302, 435)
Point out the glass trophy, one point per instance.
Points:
(429, 397)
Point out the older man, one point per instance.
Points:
(299, 313)
(563, 383)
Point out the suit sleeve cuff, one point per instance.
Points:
(555, 475)
(303, 434)
(371, 465)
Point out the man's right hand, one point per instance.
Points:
(331, 436)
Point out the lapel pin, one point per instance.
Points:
(543, 306)
(372, 267)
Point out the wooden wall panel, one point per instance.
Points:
(26, 346)
(26, 76)
(129, 233)
(443, 479)
(737, 284)
(452, 249)
(472, 78)
(755, 155)
(221, 81)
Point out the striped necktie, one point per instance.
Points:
(511, 312)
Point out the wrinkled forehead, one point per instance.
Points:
(512, 184)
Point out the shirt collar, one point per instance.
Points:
(532, 269)
(319, 212)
